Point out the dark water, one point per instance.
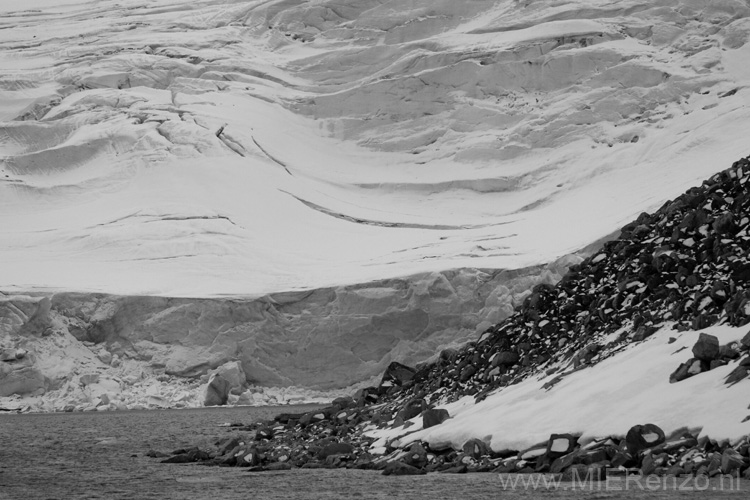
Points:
(102, 455)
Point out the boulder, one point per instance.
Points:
(562, 463)
(217, 391)
(505, 358)
(312, 417)
(401, 469)
(335, 449)
(707, 347)
(745, 342)
(432, 417)
(416, 456)
(247, 456)
(396, 374)
(641, 437)
(681, 373)
(730, 351)
(476, 448)
(731, 461)
(739, 373)
(560, 445)
(412, 408)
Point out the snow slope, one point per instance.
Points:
(606, 399)
(240, 148)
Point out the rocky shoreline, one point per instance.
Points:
(684, 266)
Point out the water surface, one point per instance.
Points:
(102, 455)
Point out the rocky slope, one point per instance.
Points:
(651, 330)
(234, 150)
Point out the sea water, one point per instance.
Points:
(103, 455)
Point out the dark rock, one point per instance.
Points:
(651, 462)
(591, 457)
(505, 358)
(476, 448)
(674, 470)
(432, 417)
(729, 351)
(343, 402)
(226, 445)
(416, 456)
(247, 456)
(412, 408)
(182, 458)
(560, 445)
(707, 347)
(739, 373)
(745, 342)
(717, 363)
(562, 463)
(335, 449)
(468, 372)
(644, 332)
(641, 437)
(274, 467)
(682, 372)
(459, 469)
(264, 433)
(397, 374)
(401, 469)
(731, 461)
(156, 454)
(312, 418)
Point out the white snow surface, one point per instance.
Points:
(606, 399)
(214, 148)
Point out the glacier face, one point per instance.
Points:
(234, 150)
